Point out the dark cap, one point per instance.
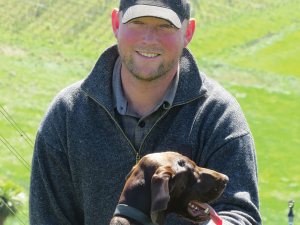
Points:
(174, 11)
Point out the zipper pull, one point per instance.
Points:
(137, 158)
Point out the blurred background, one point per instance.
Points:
(251, 47)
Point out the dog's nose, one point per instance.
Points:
(222, 181)
(225, 179)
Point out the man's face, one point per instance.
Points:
(150, 47)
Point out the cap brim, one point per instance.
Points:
(138, 11)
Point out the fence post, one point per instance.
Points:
(291, 213)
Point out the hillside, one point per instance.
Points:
(250, 47)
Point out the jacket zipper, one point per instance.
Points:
(137, 158)
(138, 154)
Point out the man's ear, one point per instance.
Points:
(190, 31)
(115, 21)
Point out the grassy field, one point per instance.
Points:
(250, 47)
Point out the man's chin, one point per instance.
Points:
(145, 72)
(147, 77)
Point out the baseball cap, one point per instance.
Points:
(174, 11)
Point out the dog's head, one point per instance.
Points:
(179, 186)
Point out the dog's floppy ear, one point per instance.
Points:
(129, 174)
(160, 190)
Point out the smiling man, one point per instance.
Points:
(144, 95)
(149, 49)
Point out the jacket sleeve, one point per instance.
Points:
(52, 197)
(239, 203)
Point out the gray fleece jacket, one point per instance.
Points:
(82, 156)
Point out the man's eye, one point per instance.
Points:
(167, 25)
(137, 22)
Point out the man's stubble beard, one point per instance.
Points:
(157, 74)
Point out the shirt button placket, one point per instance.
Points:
(142, 124)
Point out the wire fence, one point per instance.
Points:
(15, 152)
(10, 209)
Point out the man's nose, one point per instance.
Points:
(150, 36)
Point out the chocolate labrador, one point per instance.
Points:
(163, 183)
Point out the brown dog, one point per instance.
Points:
(163, 183)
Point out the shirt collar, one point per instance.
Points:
(119, 101)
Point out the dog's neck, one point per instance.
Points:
(137, 194)
(161, 218)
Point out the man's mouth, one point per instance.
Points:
(149, 55)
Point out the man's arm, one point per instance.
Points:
(228, 147)
(239, 204)
(52, 199)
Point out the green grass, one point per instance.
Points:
(273, 121)
(250, 47)
(264, 40)
(271, 104)
(282, 57)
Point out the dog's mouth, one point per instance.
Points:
(202, 212)
(198, 210)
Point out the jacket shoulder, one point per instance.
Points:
(63, 103)
(223, 111)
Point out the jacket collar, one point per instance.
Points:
(98, 84)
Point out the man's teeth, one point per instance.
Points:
(148, 55)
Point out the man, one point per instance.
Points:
(144, 95)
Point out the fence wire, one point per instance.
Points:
(12, 210)
(15, 152)
(6, 143)
(16, 126)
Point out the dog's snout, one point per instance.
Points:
(225, 183)
(225, 179)
(222, 180)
